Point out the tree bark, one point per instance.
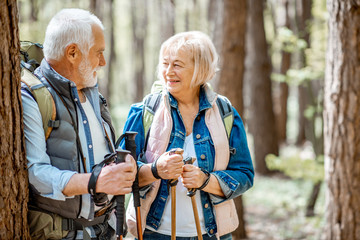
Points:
(342, 120)
(233, 52)
(258, 69)
(230, 82)
(13, 174)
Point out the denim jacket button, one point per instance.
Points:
(198, 136)
(211, 231)
(198, 118)
(202, 156)
(206, 205)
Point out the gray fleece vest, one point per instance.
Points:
(62, 146)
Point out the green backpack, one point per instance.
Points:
(31, 55)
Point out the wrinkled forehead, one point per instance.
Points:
(174, 53)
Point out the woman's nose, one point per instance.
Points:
(169, 70)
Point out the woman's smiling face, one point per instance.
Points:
(178, 70)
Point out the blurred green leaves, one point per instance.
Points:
(298, 166)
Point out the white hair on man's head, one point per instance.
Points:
(202, 50)
(69, 26)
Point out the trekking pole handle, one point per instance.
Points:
(191, 191)
(120, 200)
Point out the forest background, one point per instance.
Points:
(272, 68)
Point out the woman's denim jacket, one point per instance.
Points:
(235, 180)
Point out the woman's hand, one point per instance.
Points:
(169, 166)
(192, 176)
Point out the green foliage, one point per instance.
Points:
(298, 166)
(287, 41)
(298, 77)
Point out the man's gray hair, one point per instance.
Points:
(67, 27)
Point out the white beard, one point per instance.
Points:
(87, 73)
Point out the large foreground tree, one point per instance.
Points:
(13, 174)
(342, 120)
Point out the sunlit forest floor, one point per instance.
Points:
(275, 210)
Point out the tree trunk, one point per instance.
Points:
(14, 179)
(34, 10)
(215, 19)
(139, 25)
(233, 52)
(167, 19)
(258, 69)
(280, 99)
(99, 8)
(232, 72)
(112, 56)
(342, 120)
(310, 206)
(303, 16)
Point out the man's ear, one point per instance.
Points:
(73, 53)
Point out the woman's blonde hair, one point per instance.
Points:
(202, 50)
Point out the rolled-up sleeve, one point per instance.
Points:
(239, 174)
(47, 180)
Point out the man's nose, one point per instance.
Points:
(102, 61)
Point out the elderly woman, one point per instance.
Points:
(188, 118)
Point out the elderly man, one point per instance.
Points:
(67, 199)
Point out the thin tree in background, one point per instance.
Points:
(261, 118)
(112, 56)
(139, 30)
(104, 10)
(14, 192)
(342, 120)
(34, 10)
(282, 93)
(303, 16)
(167, 19)
(215, 20)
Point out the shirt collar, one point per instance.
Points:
(204, 102)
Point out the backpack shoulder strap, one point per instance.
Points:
(151, 104)
(226, 112)
(44, 100)
(105, 114)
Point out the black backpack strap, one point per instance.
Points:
(226, 112)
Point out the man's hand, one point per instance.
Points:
(117, 179)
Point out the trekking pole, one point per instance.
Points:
(173, 183)
(130, 145)
(120, 201)
(191, 193)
